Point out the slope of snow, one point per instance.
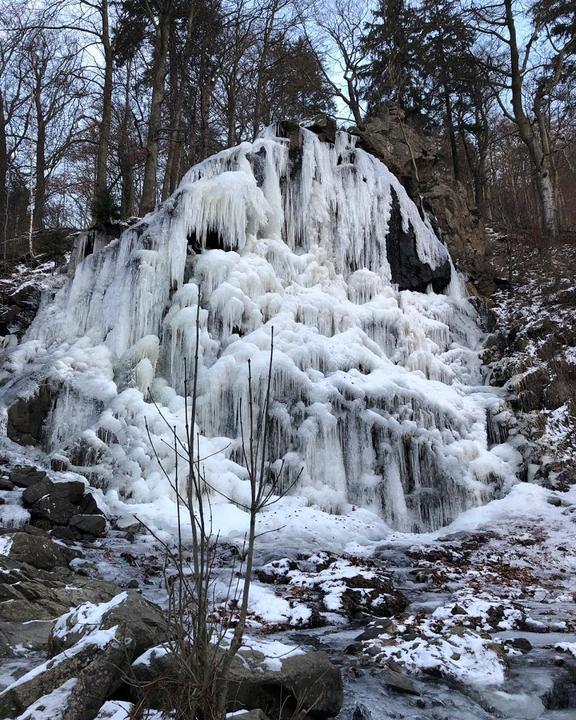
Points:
(378, 395)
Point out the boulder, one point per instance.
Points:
(65, 506)
(27, 416)
(89, 524)
(34, 548)
(53, 705)
(6, 484)
(309, 683)
(24, 475)
(70, 491)
(138, 620)
(95, 664)
(92, 648)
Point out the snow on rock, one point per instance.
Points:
(51, 706)
(379, 401)
(331, 588)
(122, 710)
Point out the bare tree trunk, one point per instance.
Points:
(148, 199)
(40, 170)
(355, 104)
(540, 160)
(126, 162)
(106, 121)
(452, 137)
(231, 117)
(3, 178)
(178, 66)
(174, 112)
(205, 102)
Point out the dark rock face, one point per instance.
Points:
(410, 153)
(26, 417)
(17, 309)
(59, 506)
(408, 271)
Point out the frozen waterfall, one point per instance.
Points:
(377, 383)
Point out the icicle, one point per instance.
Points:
(376, 397)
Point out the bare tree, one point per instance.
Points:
(206, 642)
(526, 72)
(159, 14)
(335, 36)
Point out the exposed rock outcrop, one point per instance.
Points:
(407, 268)
(66, 507)
(27, 416)
(410, 153)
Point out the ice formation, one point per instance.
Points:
(378, 391)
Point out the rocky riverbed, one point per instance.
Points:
(476, 621)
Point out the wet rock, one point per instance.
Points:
(23, 476)
(562, 695)
(6, 484)
(375, 630)
(361, 712)
(94, 525)
(399, 682)
(26, 417)
(522, 644)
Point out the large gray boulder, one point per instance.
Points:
(95, 663)
(94, 646)
(306, 682)
(137, 619)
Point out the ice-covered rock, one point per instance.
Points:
(377, 383)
